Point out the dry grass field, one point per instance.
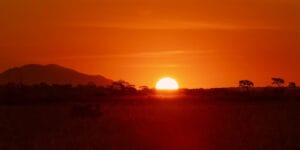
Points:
(143, 122)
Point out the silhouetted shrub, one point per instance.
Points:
(86, 110)
(292, 85)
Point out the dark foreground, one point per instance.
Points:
(163, 123)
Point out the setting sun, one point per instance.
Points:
(167, 84)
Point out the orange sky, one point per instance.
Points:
(212, 43)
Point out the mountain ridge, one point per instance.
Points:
(50, 74)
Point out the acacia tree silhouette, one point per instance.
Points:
(246, 84)
(278, 81)
(123, 86)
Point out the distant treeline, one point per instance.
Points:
(12, 93)
(253, 94)
(18, 93)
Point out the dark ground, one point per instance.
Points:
(144, 123)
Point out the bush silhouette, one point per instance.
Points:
(292, 85)
(86, 110)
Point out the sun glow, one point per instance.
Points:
(167, 84)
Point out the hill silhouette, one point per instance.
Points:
(50, 74)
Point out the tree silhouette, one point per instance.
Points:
(292, 85)
(123, 86)
(119, 85)
(278, 81)
(144, 89)
(246, 84)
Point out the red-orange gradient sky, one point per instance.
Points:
(208, 43)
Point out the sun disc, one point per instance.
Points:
(167, 84)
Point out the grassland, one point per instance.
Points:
(160, 122)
